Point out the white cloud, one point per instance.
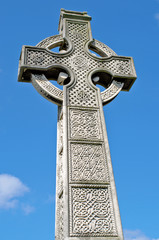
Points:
(10, 189)
(27, 209)
(136, 235)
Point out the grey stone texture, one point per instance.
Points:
(86, 199)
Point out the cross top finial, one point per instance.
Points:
(75, 13)
(72, 14)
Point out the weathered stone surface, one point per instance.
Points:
(86, 200)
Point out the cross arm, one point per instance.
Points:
(123, 71)
(120, 68)
(35, 60)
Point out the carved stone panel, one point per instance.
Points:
(84, 124)
(87, 163)
(91, 212)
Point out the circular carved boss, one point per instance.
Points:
(54, 94)
(80, 62)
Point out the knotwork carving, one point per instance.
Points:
(92, 213)
(80, 62)
(82, 96)
(88, 163)
(84, 124)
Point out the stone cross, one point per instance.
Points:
(86, 200)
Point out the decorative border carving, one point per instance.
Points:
(103, 48)
(49, 41)
(46, 89)
(111, 92)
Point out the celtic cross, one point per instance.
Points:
(86, 200)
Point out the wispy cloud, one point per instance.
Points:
(11, 188)
(51, 199)
(157, 17)
(136, 235)
(27, 209)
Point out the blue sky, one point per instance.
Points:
(28, 121)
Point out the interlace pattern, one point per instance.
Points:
(84, 124)
(92, 212)
(88, 163)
